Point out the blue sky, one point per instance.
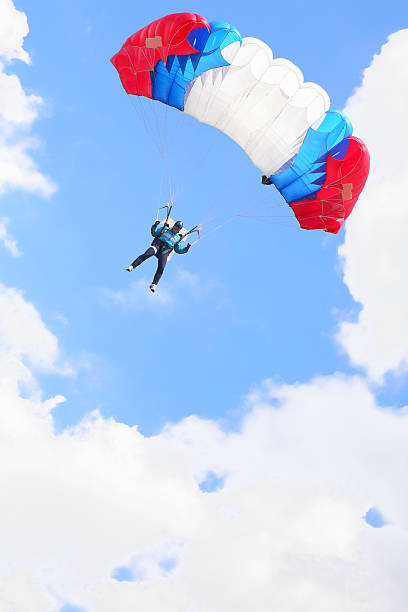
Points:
(271, 295)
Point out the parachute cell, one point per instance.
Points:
(307, 172)
(181, 33)
(347, 169)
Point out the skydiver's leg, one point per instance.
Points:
(149, 253)
(161, 264)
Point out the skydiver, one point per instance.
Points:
(165, 239)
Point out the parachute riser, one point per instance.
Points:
(195, 229)
(169, 207)
(161, 208)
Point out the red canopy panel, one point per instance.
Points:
(345, 179)
(155, 42)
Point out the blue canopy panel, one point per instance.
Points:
(307, 170)
(339, 152)
(169, 80)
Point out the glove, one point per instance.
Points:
(166, 224)
(156, 223)
(188, 247)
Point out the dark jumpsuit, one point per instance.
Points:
(161, 249)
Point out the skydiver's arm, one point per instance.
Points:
(156, 229)
(180, 249)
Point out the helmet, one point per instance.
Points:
(179, 224)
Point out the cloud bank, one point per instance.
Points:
(13, 29)
(18, 111)
(106, 518)
(375, 251)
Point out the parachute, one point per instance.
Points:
(285, 125)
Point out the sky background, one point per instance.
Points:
(289, 347)
(257, 299)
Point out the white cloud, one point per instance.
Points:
(9, 243)
(285, 530)
(15, 105)
(61, 318)
(13, 29)
(197, 286)
(375, 251)
(138, 295)
(284, 533)
(24, 336)
(19, 171)
(18, 111)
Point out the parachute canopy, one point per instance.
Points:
(207, 70)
